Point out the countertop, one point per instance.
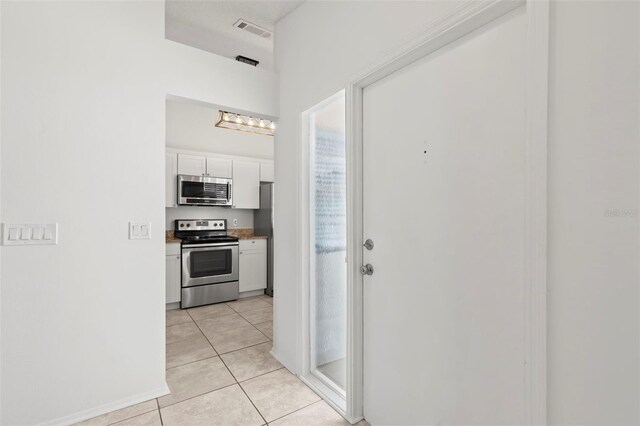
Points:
(242, 234)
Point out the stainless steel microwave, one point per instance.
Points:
(204, 191)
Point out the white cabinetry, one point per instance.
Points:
(247, 173)
(246, 184)
(219, 167)
(253, 264)
(172, 285)
(194, 165)
(266, 171)
(171, 176)
(199, 165)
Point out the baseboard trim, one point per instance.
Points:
(109, 407)
(250, 293)
(172, 306)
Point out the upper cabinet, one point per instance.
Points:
(219, 167)
(171, 180)
(194, 165)
(247, 173)
(246, 184)
(266, 171)
(199, 165)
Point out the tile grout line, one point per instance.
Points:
(219, 355)
(254, 325)
(208, 341)
(234, 350)
(243, 391)
(246, 347)
(128, 418)
(223, 363)
(159, 412)
(301, 408)
(214, 390)
(260, 375)
(244, 325)
(269, 340)
(227, 367)
(196, 396)
(191, 362)
(218, 315)
(261, 332)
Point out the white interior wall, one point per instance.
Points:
(593, 311)
(191, 126)
(83, 112)
(594, 139)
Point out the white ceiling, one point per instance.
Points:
(208, 25)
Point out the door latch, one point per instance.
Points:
(368, 244)
(366, 269)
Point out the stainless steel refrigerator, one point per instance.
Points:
(263, 226)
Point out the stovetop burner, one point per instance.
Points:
(197, 239)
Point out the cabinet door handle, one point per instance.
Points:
(178, 257)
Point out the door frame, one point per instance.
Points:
(332, 394)
(466, 18)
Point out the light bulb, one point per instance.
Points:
(261, 124)
(238, 120)
(273, 126)
(225, 117)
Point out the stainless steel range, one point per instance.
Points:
(209, 262)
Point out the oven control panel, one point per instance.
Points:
(201, 225)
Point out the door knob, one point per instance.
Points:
(366, 269)
(368, 244)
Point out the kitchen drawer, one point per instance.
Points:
(253, 244)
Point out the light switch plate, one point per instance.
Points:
(139, 230)
(28, 234)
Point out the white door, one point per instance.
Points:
(443, 203)
(194, 165)
(267, 171)
(246, 184)
(219, 167)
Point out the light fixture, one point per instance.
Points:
(245, 123)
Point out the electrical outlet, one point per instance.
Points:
(235, 222)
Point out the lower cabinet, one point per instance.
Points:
(253, 264)
(172, 285)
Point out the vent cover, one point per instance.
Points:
(253, 28)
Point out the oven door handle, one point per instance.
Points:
(205, 247)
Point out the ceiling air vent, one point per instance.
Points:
(253, 28)
(246, 60)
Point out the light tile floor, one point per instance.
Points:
(220, 372)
